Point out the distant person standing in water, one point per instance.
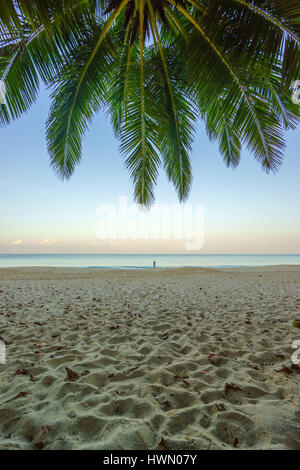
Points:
(154, 264)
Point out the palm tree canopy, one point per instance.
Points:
(156, 67)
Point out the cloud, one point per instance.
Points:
(17, 242)
(104, 243)
(47, 241)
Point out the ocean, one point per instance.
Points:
(135, 261)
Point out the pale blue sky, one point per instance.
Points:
(246, 210)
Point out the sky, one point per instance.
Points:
(242, 211)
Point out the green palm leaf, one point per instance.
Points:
(78, 92)
(221, 128)
(32, 56)
(139, 134)
(175, 118)
(46, 12)
(218, 73)
(117, 98)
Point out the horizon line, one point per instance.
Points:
(150, 254)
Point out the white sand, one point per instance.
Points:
(140, 342)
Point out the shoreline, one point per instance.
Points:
(94, 271)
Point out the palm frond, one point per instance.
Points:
(117, 97)
(139, 133)
(277, 13)
(175, 117)
(266, 30)
(217, 73)
(78, 92)
(220, 127)
(43, 13)
(32, 56)
(18, 71)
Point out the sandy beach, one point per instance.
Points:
(157, 359)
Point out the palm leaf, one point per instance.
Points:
(220, 127)
(33, 56)
(43, 13)
(139, 133)
(176, 128)
(215, 72)
(117, 97)
(79, 91)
